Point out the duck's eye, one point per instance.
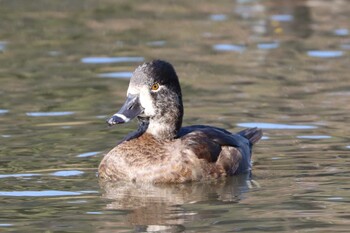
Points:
(155, 87)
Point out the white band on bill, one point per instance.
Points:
(122, 117)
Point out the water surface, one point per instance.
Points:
(282, 66)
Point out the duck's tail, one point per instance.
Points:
(252, 134)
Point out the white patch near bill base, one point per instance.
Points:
(132, 90)
(126, 119)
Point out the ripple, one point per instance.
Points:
(3, 45)
(54, 53)
(6, 224)
(272, 45)
(314, 137)
(103, 60)
(345, 46)
(218, 17)
(282, 18)
(341, 32)
(229, 47)
(325, 53)
(122, 75)
(88, 154)
(92, 212)
(157, 43)
(77, 202)
(339, 93)
(335, 198)
(263, 125)
(18, 175)
(67, 173)
(42, 193)
(3, 111)
(44, 114)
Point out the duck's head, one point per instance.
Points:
(154, 94)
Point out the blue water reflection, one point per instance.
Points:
(341, 32)
(67, 173)
(43, 193)
(345, 46)
(123, 75)
(325, 53)
(45, 114)
(19, 175)
(3, 111)
(157, 43)
(218, 17)
(2, 45)
(5, 225)
(54, 53)
(88, 154)
(282, 18)
(229, 47)
(272, 45)
(102, 60)
(335, 198)
(314, 137)
(263, 125)
(92, 212)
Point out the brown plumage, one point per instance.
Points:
(160, 151)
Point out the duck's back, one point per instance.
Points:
(237, 147)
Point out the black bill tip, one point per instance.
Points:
(114, 120)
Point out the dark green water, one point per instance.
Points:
(279, 65)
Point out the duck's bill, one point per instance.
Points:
(131, 109)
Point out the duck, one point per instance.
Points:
(161, 150)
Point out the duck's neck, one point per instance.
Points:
(166, 125)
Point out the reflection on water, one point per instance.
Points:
(43, 193)
(325, 54)
(125, 75)
(2, 45)
(279, 65)
(345, 46)
(67, 173)
(3, 111)
(229, 47)
(101, 60)
(273, 45)
(88, 154)
(157, 43)
(314, 137)
(274, 126)
(218, 17)
(18, 175)
(341, 32)
(282, 18)
(45, 114)
(167, 203)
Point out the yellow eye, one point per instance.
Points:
(155, 87)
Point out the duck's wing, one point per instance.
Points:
(223, 137)
(213, 140)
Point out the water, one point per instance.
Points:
(279, 65)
